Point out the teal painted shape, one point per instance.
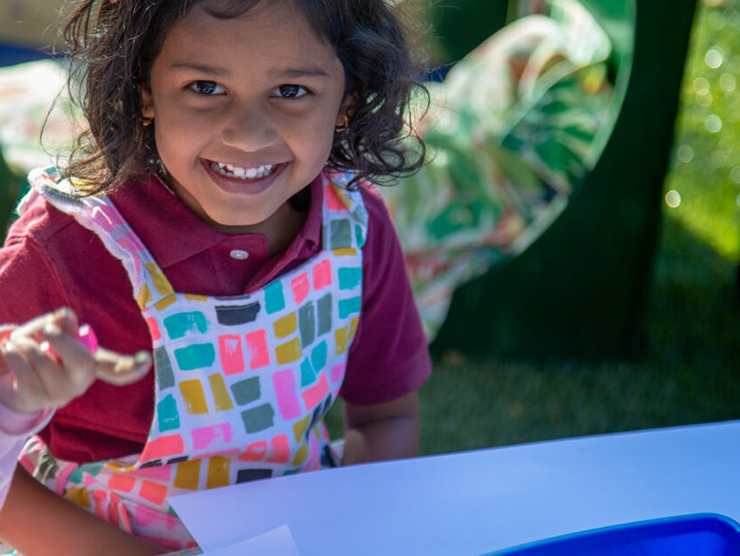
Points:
(349, 306)
(308, 376)
(163, 369)
(340, 234)
(307, 324)
(259, 418)
(246, 391)
(167, 415)
(180, 324)
(359, 235)
(350, 277)
(290, 472)
(274, 298)
(196, 356)
(324, 308)
(318, 356)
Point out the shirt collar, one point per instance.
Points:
(163, 223)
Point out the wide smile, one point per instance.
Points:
(237, 179)
(246, 173)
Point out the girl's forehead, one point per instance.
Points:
(272, 28)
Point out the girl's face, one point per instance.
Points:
(244, 112)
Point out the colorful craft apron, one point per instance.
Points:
(242, 383)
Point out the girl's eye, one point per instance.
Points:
(207, 88)
(289, 91)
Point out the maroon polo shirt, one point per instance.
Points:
(50, 261)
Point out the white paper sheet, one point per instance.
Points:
(278, 542)
(476, 502)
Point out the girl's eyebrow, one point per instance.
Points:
(288, 73)
(199, 68)
(292, 73)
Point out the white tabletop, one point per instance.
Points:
(472, 503)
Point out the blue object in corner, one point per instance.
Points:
(702, 534)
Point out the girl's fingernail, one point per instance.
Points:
(52, 329)
(142, 358)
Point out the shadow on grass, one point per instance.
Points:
(687, 371)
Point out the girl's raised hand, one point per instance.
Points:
(32, 377)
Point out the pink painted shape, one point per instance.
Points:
(322, 274)
(60, 486)
(256, 451)
(315, 395)
(203, 437)
(125, 244)
(155, 493)
(333, 202)
(280, 452)
(259, 356)
(300, 287)
(103, 218)
(232, 354)
(337, 372)
(162, 473)
(153, 328)
(288, 404)
(164, 446)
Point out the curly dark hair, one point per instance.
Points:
(112, 45)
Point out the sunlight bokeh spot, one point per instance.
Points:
(704, 100)
(673, 198)
(735, 174)
(728, 82)
(701, 86)
(713, 123)
(685, 153)
(713, 58)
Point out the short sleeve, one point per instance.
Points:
(29, 283)
(389, 357)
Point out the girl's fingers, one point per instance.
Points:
(65, 319)
(120, 370)
(22, 390)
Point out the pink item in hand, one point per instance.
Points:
(85, 335)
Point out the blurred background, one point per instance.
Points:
(607, 300)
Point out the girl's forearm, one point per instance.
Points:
(382, 431)
(38, 522)
(385, 439)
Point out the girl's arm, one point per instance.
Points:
(383, 431)
(57, 523)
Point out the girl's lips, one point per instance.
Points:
(238, 185)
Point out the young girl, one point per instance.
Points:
(206, 225)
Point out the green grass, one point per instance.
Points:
(687, 371)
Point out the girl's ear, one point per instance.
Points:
(345, 112)
(147, 100)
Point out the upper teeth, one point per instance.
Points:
(251, 173)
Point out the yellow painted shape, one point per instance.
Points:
(165, 302)
(193, 396)
(299, 429)
(143, 296)
(220, 393)
(289, 352)
(301, 455)
(194, 297)
(286, 325)
(78, 496)
(188, 474)
(340, 340)
(353, 327)
(344, 251)
(160, 282)
(218, 472)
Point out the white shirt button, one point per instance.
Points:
(238, 254)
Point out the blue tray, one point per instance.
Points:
(688, 535)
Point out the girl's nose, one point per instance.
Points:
(248, 128)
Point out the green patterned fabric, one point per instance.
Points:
(508, 136)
